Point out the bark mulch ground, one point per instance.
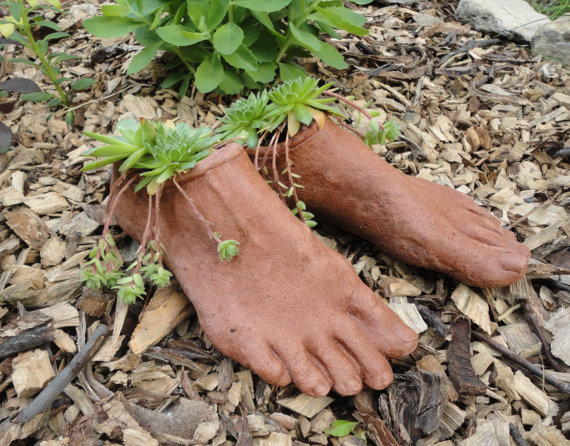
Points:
(482, 115)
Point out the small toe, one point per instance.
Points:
(304, 372)
(258, 357)
(340, 368)
(384, 328)
(375, 369)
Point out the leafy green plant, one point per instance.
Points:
(229, 44)
(552, 8)
(153, 153)
(19, 27)
(341, 428)
(269, 115)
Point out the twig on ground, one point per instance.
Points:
(562, 386)
(546, 347)
(27, 340)
(42, 401)
(515, 433)
(528, 214)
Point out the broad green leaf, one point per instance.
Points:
(16, 9)
(83, 84)
(55, 36)
(265, 72)
(305, 38)
(196, 11)
(328, 54)
(262, 5)
(209, 74)
(227, 38)
(341, 428)
(265, 49)
(362, 2)
(147, 37)
(217, 10)
(242, 58)
(231, 83)
(143, 58)
(36, 97)
(180, 35)
(6, 29)
(62, 56)
(263, 18)
(346, 19)
(54, 3)
(289, 71)
(54, 102)
(47, 24)
(115, 10)
(32, 3)
(110, 27)
(172, 79)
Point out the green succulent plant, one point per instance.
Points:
(159, 150)
(156, 152)
(299, 101)
(245, 118)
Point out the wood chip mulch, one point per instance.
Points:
(479, 114)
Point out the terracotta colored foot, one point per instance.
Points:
(420, 222)
(287, 307)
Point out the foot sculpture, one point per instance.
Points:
(420, 222)
(287, 306)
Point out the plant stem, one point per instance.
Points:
(146, 233)
(37, 50)
(290, 176)
(274, 168)
(289, 36)
(352, 104)
(198, 213)
(113, 203)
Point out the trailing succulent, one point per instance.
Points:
(265, 117)
(153, 153)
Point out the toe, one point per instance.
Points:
(384, 328)
(375, 369)
(339, 366)
(258, 357)
(304, 372)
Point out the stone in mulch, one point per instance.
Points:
(553, 40)
(516, 19)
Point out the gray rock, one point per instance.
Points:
(515, 19)
(553, 40)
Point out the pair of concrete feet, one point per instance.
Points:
(289, 308)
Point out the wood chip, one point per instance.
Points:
(47, 204)
(166, 309)
(533, 395)
(29, 227)
(559, 326)
(31, 372)
(472, 306)
(305, 404)
(53, 251)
